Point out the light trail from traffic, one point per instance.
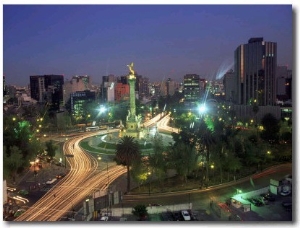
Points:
(83, 178)
(163, 125)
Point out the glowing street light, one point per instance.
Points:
(149, 190)
(202, 109)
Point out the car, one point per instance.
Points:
(289, 178)
(263, 200)
(269, 197)
(59, 164)
(61, 175)
(186, 216)
(255, 202)
(237, 218)
(51, 181)
(176, 216)
(104, 218)
(155, 205)
(286, 190)
(11, 189)
(250, 200)
(19, 212)
(167, 216)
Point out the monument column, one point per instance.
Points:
(133, 121)
(132, 98)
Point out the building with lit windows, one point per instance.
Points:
(76, 84)
(79, 101)
(47, 89)
(255, 66)
(107, 88)
(121, 92)
(191, 83)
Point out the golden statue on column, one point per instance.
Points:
(131, 75)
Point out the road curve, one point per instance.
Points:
(83, 179)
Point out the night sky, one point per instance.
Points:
(162, 40)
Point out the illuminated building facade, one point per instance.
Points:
(76, 84)
(191, 83)
(121, 92)
(47, 89)
(255, 70)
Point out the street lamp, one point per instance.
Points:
(107, 199)
(68, 155)
(202, 109)
(149, 190)
(99, 159)
(238, 191)
(213, 169)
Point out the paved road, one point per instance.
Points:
(83, 177)
(201, 198)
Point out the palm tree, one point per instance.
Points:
(127, 152)
(206, 139)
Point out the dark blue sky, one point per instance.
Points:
(162, 40)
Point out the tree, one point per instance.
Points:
(183, 158)
(51, 148)
(140, 211)
(139, 172)
(127, 151)
(255, 109)
(36, 147)
(271, 128)
(18, 133)
(13, 161)
(233, 164)
(157, 160)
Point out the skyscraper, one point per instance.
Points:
(107, 88)
(47, 89)
(255, 71)
(230, 85)
(191, 83)
(76, 84)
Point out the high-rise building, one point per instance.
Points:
(79, 101)
(144, 88)
(47, 89)
(121, 92)
(107, 88)
(76, 84)
(191, 83)
(171, 87)
(255, 71)
(4, 87)
(281, 76)
(229, 85)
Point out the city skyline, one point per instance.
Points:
(98, 40)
